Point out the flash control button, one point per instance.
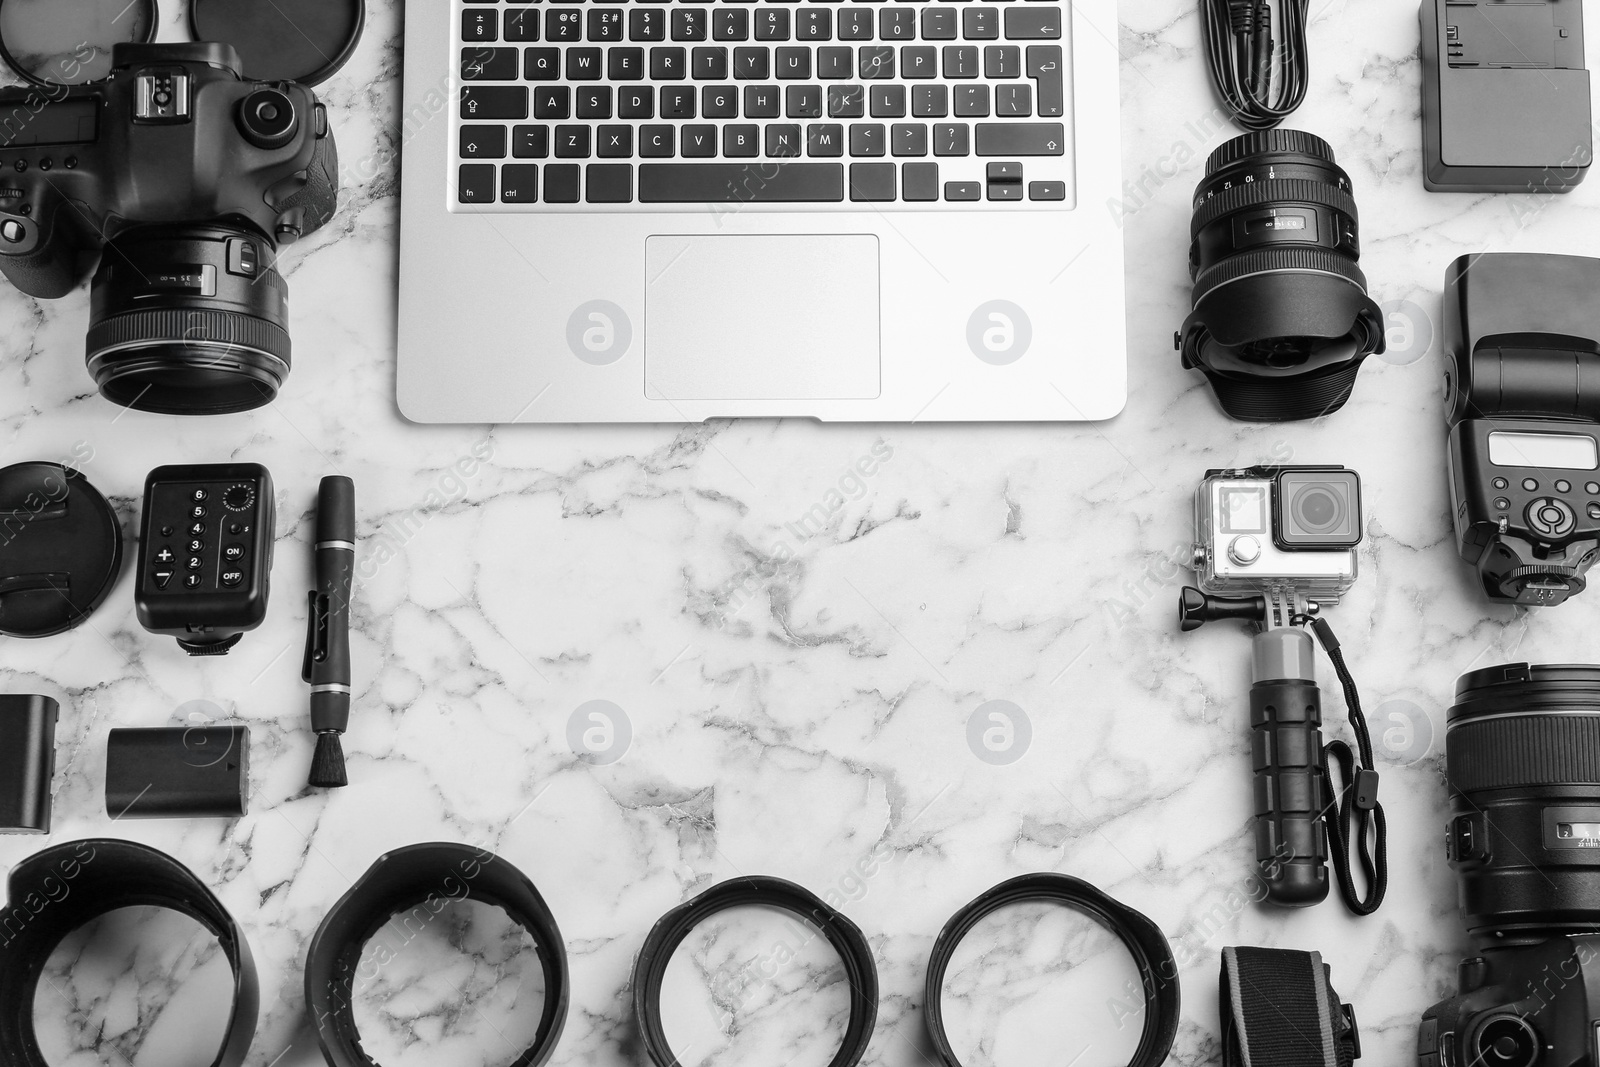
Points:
(1550, 517)
(1244, 550)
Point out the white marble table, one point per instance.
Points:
(795, 700)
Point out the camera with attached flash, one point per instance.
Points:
(1273, 546)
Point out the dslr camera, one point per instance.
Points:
(1524, 839)
(1273, 546)
(1522, 332)
(186, 177)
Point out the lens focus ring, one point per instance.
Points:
(1278, 259)
(1271, 191)
(1524, 750)
(1275, 141)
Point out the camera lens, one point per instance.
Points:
(1281, 318)
(188, 320)
(1319, 508)
(1523, 763)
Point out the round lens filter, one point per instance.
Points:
(304, 41)
(60, 549)
(69, 42)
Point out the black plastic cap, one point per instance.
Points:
(336, 509)
(60, 549)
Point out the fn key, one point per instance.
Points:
(476, 184)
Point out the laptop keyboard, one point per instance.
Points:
(608, 105)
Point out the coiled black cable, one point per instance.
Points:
(1242, 53)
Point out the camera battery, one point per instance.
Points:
(27, 762)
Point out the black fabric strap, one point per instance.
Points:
(1279, 1010)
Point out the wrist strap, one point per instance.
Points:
(1279, 1010)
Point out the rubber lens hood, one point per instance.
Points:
(1158, 972)
(861, 971)
(419, 881)
(59, 890)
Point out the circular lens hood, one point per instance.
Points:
(139, 17)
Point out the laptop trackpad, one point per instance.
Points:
(790, 317)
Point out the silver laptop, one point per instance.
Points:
(675, 210)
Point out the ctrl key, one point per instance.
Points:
(519, 183)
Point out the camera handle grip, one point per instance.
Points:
(36, 255)
(1286, 753)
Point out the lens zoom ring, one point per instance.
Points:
(1271, 191)
(1280, 259)
(1268, 142)
(1532, 750)
(201, 327)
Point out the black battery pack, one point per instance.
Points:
(27, 762)
(1505, 96)
(178, 772)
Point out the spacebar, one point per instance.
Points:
(757, 182)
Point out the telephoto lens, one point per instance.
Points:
(1281, 319)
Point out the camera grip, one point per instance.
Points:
(44, 262)
(1286, 751)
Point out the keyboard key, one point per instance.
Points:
(608, 183)
(741, 139)
(960, 61)
(1005, 190)
(761, 102)
(813, 24)
(479, 24)
(876, 61)
(752, 64)
(867, 139)
(918, 61)
(855, 24)
(541, 64)
(980, 23)
(668, 64)
(483, 142)
(824, 139)
(698, 140)
(1013, 101)
(887, 101)
(836, 62)
(594, 101)
(635, 102)
(688, 24)
(952, 139)
(647, 24)
(1044, 64)
(871, 181)
(572, 142)
(783, 140)
(962, 191)
(897, 24)
(561, 183)
(730, 24)
(802, 101)
(1021, 138)
(1006, 170)
(772, 24)
(677, 102)
(530, 142)
(846, 102)
(605, 24)
(657, 141)
(719, 102)
(519, 183)
(1033, 23)
(1047, 190)
(794, 64)
(709, 64)
(583, 64)
(938, 23)
(613, 141)
(562, 25)
(522, 25)
(552, 102)
(930, 101)
(972, 101)
(694, 183)
(625, 64)
(476, 183)
(908, 139)
(489, 64)
(1002, 61)
(919, 181)
(494, 101)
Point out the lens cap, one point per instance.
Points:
(304, 41)
(69, 42)
(60, 549)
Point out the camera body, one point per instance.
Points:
(1514, 1004)
(1278, 530)
(1523, 396)
(195, 175)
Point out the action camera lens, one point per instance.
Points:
(1318, 508)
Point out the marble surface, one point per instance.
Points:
(792, 629)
